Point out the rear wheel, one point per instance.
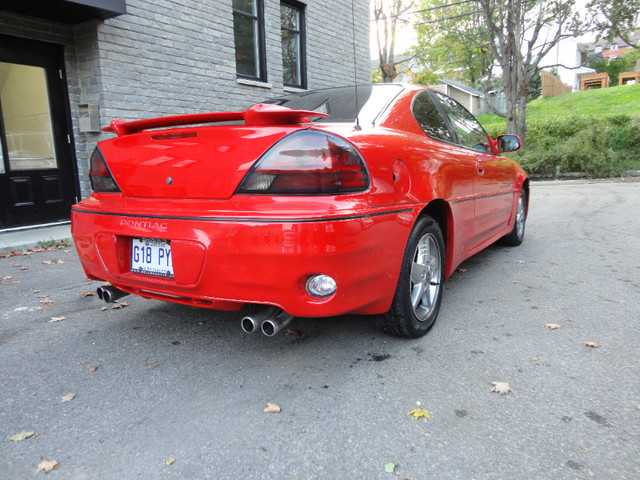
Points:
(419, 292)
(516, 236)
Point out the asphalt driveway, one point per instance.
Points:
(166, 391)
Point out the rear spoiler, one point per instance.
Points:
(258, 115)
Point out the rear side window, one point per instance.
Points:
(426, 114)
(470, 133)
(340, 103)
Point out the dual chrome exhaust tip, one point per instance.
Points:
(270, 321)
(109, 293)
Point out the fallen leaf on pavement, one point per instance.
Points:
(46, 466)
(68, 397)
(56, 260)
(57, 319)
(16, 265)
(170, 461)
(592, 344)
(293, 332)
(104, 309)
(462, 270)
(92, 368)
(418, 412)
(118, 306)
(552, 326)
(272, 408)
(44, 296)
(88, 294)
(534, 359)
(390, 467)
(23, 435)
(46, 262)
(7, 277)
(24, 268)
(151, 366)
(501, 387)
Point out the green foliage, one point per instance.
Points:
(425, 77)
(596, 132)
(55, 244)
(535, 87)
(631, 57)
(376, 75)
(614, 18)
(614, 68)
(453, 47)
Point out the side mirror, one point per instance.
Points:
(508, 143)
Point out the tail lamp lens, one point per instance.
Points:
(308, 163)
(99, 174)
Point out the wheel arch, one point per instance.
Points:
(440, 211)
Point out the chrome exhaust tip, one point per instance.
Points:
(251, 323)
(271, 326)
(109, 293)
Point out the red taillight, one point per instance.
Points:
(99, 174)
(308, 163)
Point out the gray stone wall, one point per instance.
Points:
(168, 57)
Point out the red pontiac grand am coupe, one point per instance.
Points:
(347, 200)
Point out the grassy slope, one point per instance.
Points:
(595, 131)
(623, 99)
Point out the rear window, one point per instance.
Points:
(340, 103)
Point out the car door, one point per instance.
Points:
(494, 174)
(457, 170)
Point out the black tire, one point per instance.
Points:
(516, 236)
(418, 295)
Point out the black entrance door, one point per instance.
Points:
(37, 168)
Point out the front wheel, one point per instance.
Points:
(419, 292)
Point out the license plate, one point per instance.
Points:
(151, 256)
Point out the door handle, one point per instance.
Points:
(479, 169)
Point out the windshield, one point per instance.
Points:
(340, 103)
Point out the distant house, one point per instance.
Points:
(611, 50)
(68, 67)
(467, 96)
(570, 60)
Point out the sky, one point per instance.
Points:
(405, 38)
(406, 35)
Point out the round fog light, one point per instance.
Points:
(321, 286)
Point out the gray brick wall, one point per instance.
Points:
(167, 57)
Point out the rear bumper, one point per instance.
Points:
(225, 262)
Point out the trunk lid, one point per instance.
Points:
(197, 162)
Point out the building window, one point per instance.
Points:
(293, 44)
(598, 49)
(248, 33)
(614, 47)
